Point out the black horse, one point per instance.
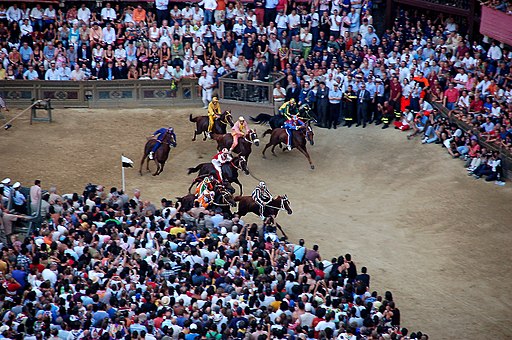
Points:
(161, 154)
(276, 121)
(229, 171)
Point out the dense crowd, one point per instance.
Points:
(106, 266)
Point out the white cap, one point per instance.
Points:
(16, 185)
(193, 326)
(6, 180)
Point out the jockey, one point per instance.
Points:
(160, 133)
(290, 125)
(206, 184)
(262, 196)
(214, 112)
(218, 160)
(206, 198)
(238, 130)
(288, 109)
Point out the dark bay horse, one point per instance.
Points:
(161, 154)
(223, 199)
(276, 121)
(246, 205)
(299, 140)
(229, 171)
(244, 147)
(219, 126)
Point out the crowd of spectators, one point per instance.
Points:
(106, 266)
(500, 5)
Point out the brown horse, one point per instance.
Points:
(246, 205)
(299, 138)
(219, 126)
(161, 154)
(244, 147)
(223, 199)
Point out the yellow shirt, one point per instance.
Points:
(177, 230)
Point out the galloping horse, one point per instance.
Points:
(229, 171)
(246, 205)
(219, 126)
(244, 147)
(277, 121)
(299, 139)
(223, 199)
(161, 154)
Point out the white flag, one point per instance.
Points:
(127, 163)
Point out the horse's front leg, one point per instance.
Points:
(305, 153)
(273, 150)
(162, 165)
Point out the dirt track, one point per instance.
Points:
(439, 240)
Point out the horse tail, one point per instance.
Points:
(237, 198)
(261, 118)
(266, 133)
(193, 120)
(196, 169)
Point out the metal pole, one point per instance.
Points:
(122, 174)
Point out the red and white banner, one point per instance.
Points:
(496, 24)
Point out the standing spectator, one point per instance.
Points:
(322, 104)
(451, 96)
(162, 11)
(279, 95)
(206, 84)
(334, 106)
(363, 102)
(270, 11)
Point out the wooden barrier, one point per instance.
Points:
(100, 93)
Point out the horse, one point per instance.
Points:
(276, 121)
(229, 171)
(219, 125)
(223, 199)
(161, 154)
(246, 204)
(299, 139)
(244, 147)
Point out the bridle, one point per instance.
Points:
(250, 137)
(239, 167)
(224, 120)
(282, 207)
(171, 141)
(223, 194)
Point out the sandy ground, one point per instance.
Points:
(439, 240)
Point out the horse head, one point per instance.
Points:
(252, 137)
(285, 203)
(225, 195)
(226, 118)
(169, 138)
(305, 111)
(310, 135)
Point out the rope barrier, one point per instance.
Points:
(8, 124)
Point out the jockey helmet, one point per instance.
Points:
(241, 118)
(215, 99)
(170, 129)
(292, 101)
(225, 151)
(294, 117)
(261, 184)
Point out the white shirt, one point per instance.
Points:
(238, 29)
(84, 14)
(26, 29)
(282, 21)
(36, 13)
(219, 30)
(206, 82)
(108, 13)
(14, 14)
(197, 66)
(494, 53)
(109, 35)
(166, 72)
(52, 74)
(187, 14)
(209, 4)
(278, 92)
(335, 23)
(50, 13)
(162, 5)
(293, 20)
(48, 275)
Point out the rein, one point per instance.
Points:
(281, 208)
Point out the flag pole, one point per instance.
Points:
(122, 173)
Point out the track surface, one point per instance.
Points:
(439, 240)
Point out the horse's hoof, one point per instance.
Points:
(264, 157)
(273, 154)
(312, 167)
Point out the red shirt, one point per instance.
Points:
(395, 90)
(452, 95)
